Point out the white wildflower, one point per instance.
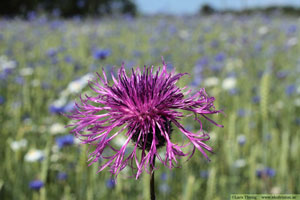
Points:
(6, 64)
(34, 155)
(184, 34)
(263, 30)
(211, 81)
(57, 128)
(26, 71)
(35, 83)
(77, 85)
(229, 83)
(120, 141)
(16, 145)
(239, 163)
(292, 42)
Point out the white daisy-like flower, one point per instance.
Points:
(34, 155)
(229, 83)
(77, 85)
(211, 81)
(17, 145)
(26, 71)
(57, 128)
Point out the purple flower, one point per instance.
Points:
(143, 106)
(101, 54)
(36, 184)
(64, 140)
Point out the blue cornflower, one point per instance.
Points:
(214, 44)
(51, 52)
(69, 107)
(292, 29)
(216, 68)
(2, 100)
(68, 59)
(101, 54)
(204, 174)
(19, 80)
(233, 91)
(266, 172)
(58, 107)
(110, 183)
(282, 74)
(31, 15)
(36, 184)
(64, 140)
(289, 90)
(80, 4)
(220, 57)
(202, 61)
(256, 99)
(242, 112)
(164, 176)
(164, 188)
(297, 121)
(62, 176)
(241, 139)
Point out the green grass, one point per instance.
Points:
(270, 125)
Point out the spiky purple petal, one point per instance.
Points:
(139, 106)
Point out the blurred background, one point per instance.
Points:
(244, 52)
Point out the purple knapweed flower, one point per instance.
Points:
(143, 105)
(36, 184)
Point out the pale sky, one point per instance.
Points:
(192, 6)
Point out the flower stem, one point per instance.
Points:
(152, 188)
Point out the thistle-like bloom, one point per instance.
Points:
(143, 107)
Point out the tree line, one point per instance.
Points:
(68, 8)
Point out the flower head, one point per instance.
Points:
(64, 140)
(265, 172)
(101, 54)
(142, 106)
(36, 184)
(61, 176)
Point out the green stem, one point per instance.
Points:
(152, 188)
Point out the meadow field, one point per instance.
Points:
(250, 64)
